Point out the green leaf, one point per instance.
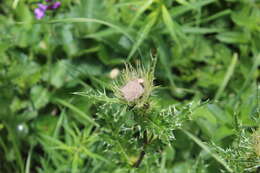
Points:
(59, 73)
(234, 37)
(40, 96)
(220, 114)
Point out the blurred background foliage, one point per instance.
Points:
(207, 50)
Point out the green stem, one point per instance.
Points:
(142, 153)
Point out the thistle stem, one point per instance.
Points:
(142, 153)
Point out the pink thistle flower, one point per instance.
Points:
(133, 90)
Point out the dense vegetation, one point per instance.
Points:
(61, 105)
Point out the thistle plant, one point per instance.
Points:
(133, 125)
(207, 50)
(243, 155)
(256, 142)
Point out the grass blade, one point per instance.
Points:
(90, 20)
(28, 162)
(200, 30)
(140, 11)
(170, 24)
(164, 60)
(208, 150)
(143, 34)
(228, 75)
(183, 9)
(213, 17)
(81, 114)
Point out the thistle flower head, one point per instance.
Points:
(135, 84)
(133, 89)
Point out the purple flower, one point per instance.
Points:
(43, 7)
(40, 11)
(54, 5)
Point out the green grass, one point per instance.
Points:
(58, 109)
